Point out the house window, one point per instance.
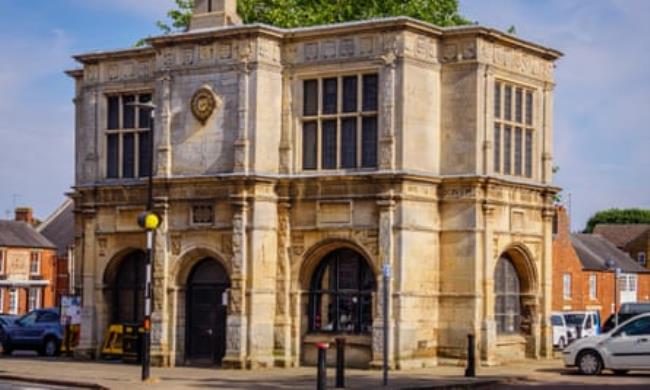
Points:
(127, 136)
(340, 294)
(566, 283)
(34, 298)
(641, 258)
(592, 287)
(13, 301)
(339, 122)
(2, 261)
(35, 264)
(507, 291)
(513, 129)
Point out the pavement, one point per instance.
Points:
(114, 375)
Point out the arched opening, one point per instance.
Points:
(128, 289)
(206, 303)
(340, 294)
(508, 297)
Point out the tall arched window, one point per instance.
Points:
(340, 295)
(128, 303)
(507, 291)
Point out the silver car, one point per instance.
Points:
(624, 348)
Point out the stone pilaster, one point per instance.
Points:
(164, 161)
(282, 335)
(242, 142)
(487, 338)
(387, 137)
(286, 140)
(546, 293)
(386, 257)
(89, 321)
(160, 318)
(237, 323)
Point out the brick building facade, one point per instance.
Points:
(27, 266)
(581, 277)
(631, 238)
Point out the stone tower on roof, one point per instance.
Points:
(214, 13)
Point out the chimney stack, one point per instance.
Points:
(24, 214)
(214, 13)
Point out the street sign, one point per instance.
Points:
(387, 270)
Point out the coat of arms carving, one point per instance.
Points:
(204, 102)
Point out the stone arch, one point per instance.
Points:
(313, 256)
(524, 263)
(179, 275)
(109, 273)
(182, 268)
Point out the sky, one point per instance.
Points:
(601, 113)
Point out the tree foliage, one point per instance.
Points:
(618, 216)
(299, 13)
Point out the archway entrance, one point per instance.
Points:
(206, 303)
(128, 289)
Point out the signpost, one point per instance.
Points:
(70, 316)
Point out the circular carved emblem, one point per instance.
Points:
(203, 104)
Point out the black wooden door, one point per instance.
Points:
(206, 325)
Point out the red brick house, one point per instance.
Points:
(27, 266)
(58, 228)
(631, 238)
(582, 279)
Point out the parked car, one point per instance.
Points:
(625, 348)
(628, 310)
(39, 330)
(560, 339)
(581, 324)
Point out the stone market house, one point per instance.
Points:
(581, 277)
(291, 164)
(27, 266)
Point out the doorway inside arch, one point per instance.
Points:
(128, 290)
(207, 305)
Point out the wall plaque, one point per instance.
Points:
(203, 104)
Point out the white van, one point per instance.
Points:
(560, 339)
(581, 324)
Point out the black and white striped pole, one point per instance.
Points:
(150, 221)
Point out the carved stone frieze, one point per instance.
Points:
(514, 60)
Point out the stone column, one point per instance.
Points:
(163, 122)
(89, 320)
(488, 335)
(261, 275)
(282, 312)
(242, 159)
(160, 318)
(286, 140)
(546, 276)
(546, 170)
(387, 138)
(386, 256)
(236, 335)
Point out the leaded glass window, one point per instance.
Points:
(507, 291)
(340, 122)
(513, 129)
(340, 295)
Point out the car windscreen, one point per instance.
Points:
(574, 319)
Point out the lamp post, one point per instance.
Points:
(149, 221)
(612, 265)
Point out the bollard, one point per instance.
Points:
(340, 363)
(470, 371)
(321, 379)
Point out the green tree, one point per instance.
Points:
(618, 216)
(298, 13)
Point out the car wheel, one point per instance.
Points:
(621, 372)
(50, 347)
(589, 363)
(561, 344)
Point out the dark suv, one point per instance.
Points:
(39, 330)
(627, 311)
